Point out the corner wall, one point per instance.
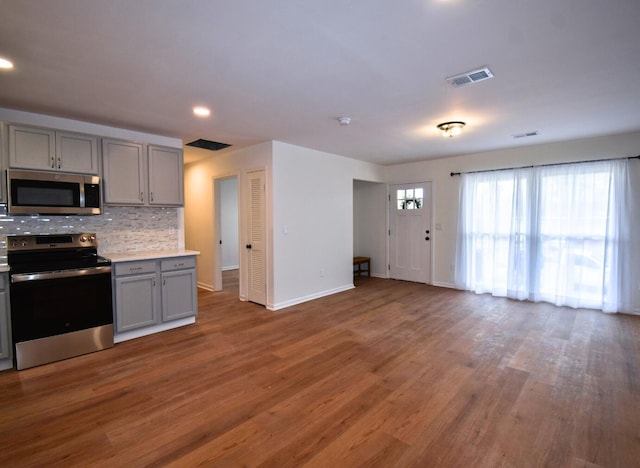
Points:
(313, 222)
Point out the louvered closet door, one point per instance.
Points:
(256, 235)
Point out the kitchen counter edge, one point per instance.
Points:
(148, 255)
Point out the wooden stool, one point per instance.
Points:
(358, 262)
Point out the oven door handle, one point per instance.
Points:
(45, 275)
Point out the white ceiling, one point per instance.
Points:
(287, 69)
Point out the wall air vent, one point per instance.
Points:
(208, 145)
(527, 134)
(472, 76)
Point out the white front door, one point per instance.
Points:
(410, 232)
(256, 239)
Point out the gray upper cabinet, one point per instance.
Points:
(166, 178)
(138, 174)
(51, 150)
(123, 172)
(77, 153)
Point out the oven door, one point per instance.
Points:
(46, 304)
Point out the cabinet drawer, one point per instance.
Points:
(135, 268)
(178, 263)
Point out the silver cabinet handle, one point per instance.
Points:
(59, 162)
(141, 196)
(151, 196)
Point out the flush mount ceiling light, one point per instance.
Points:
(201, 111)
(344, 121)
(451, 129)
(5, 64)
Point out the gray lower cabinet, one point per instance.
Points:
(179, 291)
(5, 335)
(150, 292)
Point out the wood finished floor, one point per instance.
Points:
(231, 280)
(389, 374)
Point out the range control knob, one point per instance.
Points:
(83, 239)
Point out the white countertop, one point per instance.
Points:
(148, 255)
(4, 267)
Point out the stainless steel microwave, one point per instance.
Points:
(53, 193)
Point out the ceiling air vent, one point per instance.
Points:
(472, 76)
(208, 144)
(525, 135)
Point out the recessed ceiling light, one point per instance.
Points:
(201, 111)
(5, 64)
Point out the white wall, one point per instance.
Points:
(370, 224)
(446, 188)
(229, 223)
(313, 222)
(199, 204)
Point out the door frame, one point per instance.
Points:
(431, 184)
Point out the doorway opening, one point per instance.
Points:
(370, 227)
(227, 234)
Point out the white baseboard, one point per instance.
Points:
(232, 267)
(310, 297)
(444, 285)
(130, 335)
(206, 287)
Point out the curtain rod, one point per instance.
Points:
(543, 165)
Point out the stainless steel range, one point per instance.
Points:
(61, 302)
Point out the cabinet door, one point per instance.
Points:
(77, 153)
(165, 176)
(5, 323)
(179, 295)
(5, 348)
(136, 302)
(123, 179)
(4, 160)
(32, 148)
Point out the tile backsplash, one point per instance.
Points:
(119, 229)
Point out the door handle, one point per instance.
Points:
(248, 246)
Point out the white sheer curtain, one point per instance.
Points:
(564, 234)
